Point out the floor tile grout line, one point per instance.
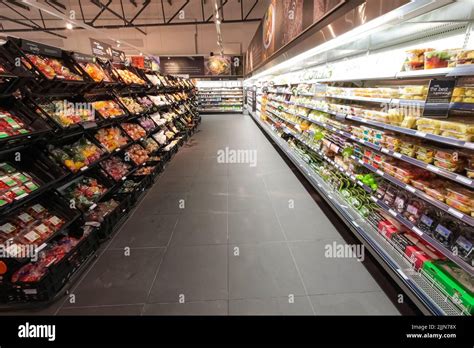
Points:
(289, 248)
(98, 256)
(159, 265)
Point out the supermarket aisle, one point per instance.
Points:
(226, 238)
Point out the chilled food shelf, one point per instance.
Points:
(434, 169)
(401, 130)
(443, 207)
(420, 287)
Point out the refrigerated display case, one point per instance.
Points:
(364, 119)
(220, 96)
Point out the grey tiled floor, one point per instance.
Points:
(223, 239)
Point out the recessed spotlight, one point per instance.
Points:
(69, 26)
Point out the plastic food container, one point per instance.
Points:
(457, 135)
(461, 195)
(415, 207)
(438, 59)
(419, 184)
(448, 155)
(465, 57)
(437, 193)
(466, 209)
(402, 178)
(452, 167)
(428, 129)
(428, 122)
(470, 173)
(415, 59)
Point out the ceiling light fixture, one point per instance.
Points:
(69, 26)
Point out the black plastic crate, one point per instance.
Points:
(45, 107)
(39, 167)
(110, 221)
(41, 83)
(36, 126)
(56, 276)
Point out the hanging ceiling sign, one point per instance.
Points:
(118, 56)
(101, 49)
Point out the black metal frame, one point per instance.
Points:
(103, 7)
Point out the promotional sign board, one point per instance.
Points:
(193, 66)
(199, 66)
(282, 23)
(101, 49)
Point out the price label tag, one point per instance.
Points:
(464, 180)
(84, 168)
(374, 199)
(397, 155)
(362, 141)
(392, 212)
(417, 231)
(469, 145)
(402, 274)
(93, 206)
(456, 213)
(384, 150)
(21, 196)
(433, 168)
(379, 172)
(410, 188)
(420, 134)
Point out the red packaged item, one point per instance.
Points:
(24, 219)
(37, 211)
(43, 230)
(9, 229)
(416, 256)
(386, 228)
(54, 222)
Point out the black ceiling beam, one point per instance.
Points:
(19, 4)
(123, 12)
(251, 9)
(202, 10)
(163, 12)
(19, 13)
(177, 12)
(82, 11)
(144, 6)
(220, 7)
(57, 6)
(91, 23)
(30, 28)
(242, 9)
(128, 24)
(118, 26)
(42, 18)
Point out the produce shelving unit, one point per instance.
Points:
(63, 151)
